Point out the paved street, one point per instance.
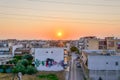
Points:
(76, 73)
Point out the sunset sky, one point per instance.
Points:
(59, 19)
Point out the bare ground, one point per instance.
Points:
(60, 75)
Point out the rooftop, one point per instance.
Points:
(101, 52)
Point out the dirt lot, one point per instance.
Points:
(60, 75)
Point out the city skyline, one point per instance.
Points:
(59, 20)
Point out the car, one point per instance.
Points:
(65, 66)
(78, 65)
(77, 58)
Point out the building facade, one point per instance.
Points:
(94, 43)
(99, 60)
(5, 53)
(49, 59)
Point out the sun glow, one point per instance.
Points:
(59, 34)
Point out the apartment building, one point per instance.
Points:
(100, 60)
(22, 51)
(5, 53)
(94, 43)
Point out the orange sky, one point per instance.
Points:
(43, 19)
(48, 30)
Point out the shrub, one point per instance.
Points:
(19, 68)
(31, 70)
(18, 57)
(48, 77)
(74, 49)
(13, 61)
(24, 62)
(28, 57)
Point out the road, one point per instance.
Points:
(76, 73)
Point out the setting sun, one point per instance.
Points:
(59, 34)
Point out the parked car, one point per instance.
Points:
(78, 65)
(65, 66)
(78, 58)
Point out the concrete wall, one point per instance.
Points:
(42, 54)
(104, 62)
(104, 75)
(93, 44)
(84, 57)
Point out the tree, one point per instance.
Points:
(18, 57)
(19, 68)
(74, 49)
(25, 65)
(29, 57)
(31, 70)
(13, 61)
(24, 62)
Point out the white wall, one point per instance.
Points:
(4, 49)
(84, 58)
(105, 75)
(68, 46)
(32, 51)
(103, 62)
(15, 47)
(42, 54)
(5, 59)
(6, 56)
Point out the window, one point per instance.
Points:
(51, 51)
(102, 43)
(116, 63)
(106, 62)
(2, 63)
(118, 45)
(100, 47)
(111, 43)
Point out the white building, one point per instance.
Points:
(15, 47)
(104, 75)
(98, 60)
(49, 59)
(5, 55)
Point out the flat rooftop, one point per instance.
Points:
(101, 52)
